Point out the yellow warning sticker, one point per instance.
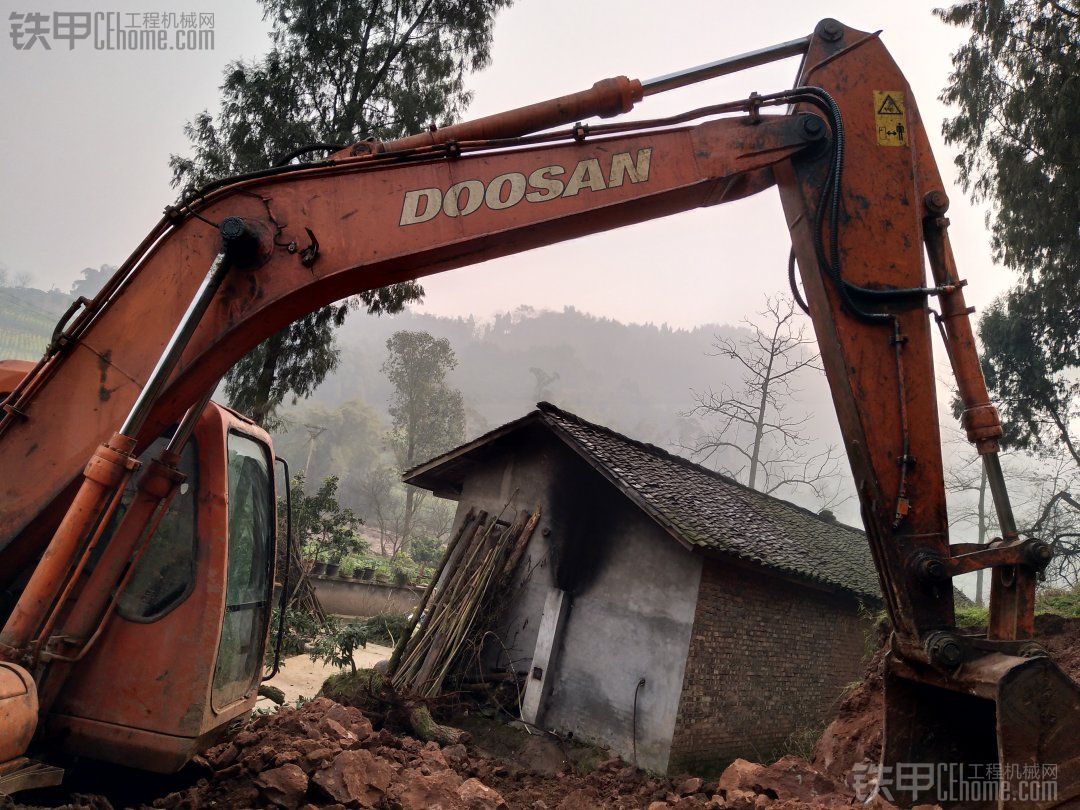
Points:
(889, 118)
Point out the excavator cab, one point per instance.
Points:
(182, 653)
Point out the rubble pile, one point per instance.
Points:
(328, 755)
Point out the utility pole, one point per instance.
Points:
(314, 432)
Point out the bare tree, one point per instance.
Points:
(753, 424)
(970, 477)
(1056, 516)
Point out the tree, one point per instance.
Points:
(543, 380)
(426, 550)
(92, 280)
(752, 423)
(1038, 393)
(321, 524)
(428, 415)
(338, 71)
(1016, 87)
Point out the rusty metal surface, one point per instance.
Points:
(883, 390)
(18, 711)
(355, 212)
(145, 688)
(605, 98)
(455, 197)
(1013, 711)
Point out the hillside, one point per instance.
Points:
(27, 319)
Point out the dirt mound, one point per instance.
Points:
(328, 755)
(1061, 637)
(855, 735)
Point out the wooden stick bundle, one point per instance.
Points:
(461, 601)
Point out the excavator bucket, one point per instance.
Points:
(1001, 732)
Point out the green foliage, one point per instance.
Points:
(1059, 601)
(386, 628)
(300, 630)
(426, 551)
(1016, 87)
(338, 71)
(972, 616)
(428, 415)
(338, 641)
(321, 525)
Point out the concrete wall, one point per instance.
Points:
(345, 597)
(632, 591)
(633, 622)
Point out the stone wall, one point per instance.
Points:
(768, 659)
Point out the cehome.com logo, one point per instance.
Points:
(507, 190)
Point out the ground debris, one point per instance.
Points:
(327, 755)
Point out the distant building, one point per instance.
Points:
(663, 608)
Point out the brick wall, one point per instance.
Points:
(768, 658)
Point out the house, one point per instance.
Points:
(662, 609)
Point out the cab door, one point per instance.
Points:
(182, 655)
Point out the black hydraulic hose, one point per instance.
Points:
(283, 603)
(285, 159)
(633, 732)
(794, 286)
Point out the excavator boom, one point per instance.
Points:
(863, 200)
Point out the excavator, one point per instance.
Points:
(138, 517)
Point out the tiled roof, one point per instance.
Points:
(704, 508)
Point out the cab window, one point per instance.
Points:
(250, 553)
(165, 572)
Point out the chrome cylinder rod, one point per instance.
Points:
(996, 479)
(175, 347)
(722, 67)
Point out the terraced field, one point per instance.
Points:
(27, 318)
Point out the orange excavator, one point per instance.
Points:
(137, 518)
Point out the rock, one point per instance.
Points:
(417, 791)
(432, 756)
(659, 805)
(285, 757)
(355, 777)
(475, 795)
(285, 786)
(224, 757)
(336, 731)
(787, 778)
(583, 799)
(455, 755)
(690, 786)
(319, 756)
(612, 764)
(246, 738)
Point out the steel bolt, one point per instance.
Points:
(1039, 553)
(944, 649)
(937, 202)
(831, 30)
(813, 127)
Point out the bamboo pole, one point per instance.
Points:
(399, 648)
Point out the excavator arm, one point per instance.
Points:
(865, 206)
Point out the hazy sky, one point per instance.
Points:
(87, 135)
